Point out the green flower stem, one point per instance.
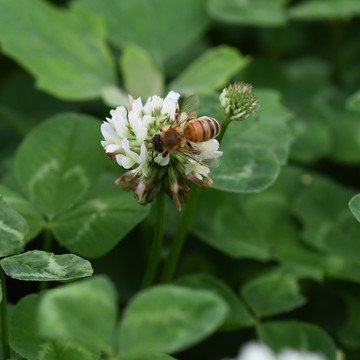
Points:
(4, 318)
(47, 244)
(179, 238)
(155, 252)
(224, 126)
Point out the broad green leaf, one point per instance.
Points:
(329, 225)
(297, 335)
(349, 332)
(238, 316)
(274, 292)
(324, 9)
(210, 72)
(97, 225)
(353, 102)
(24, 338)
(65, 350)
(26, 209)
(83, 312)
(355, 206)
(39, 265)
(168, 319)
(64, 50)
(26, 341)
(13, 230)
(161, 28)
(254, 149)
(114, 96)
(256, 12)
(22, 116)
(141, 76)
(59, 161)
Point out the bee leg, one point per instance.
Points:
(188, 144)
(165, 154)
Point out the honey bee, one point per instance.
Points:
(185, 129)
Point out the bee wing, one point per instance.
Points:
(194, 155)
(189, 105)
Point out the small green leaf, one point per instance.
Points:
(24, 338)
(97, 225)
(141, 76)
(273, 292)
(254, 149)
(26, 341)
(255, 12)
(13, 230)
(324, 9)
(168, 319)
(65, 350)
(26, 209)
(355, 206)
(238, 316)
(329, 225)
(162, 28)
(114, 96)
(353, 102)
(297, 335)
(83, 312)
(39, 265)
(210, 72)
(59, 161)
(74, 70)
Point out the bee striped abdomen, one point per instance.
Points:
(201, 129)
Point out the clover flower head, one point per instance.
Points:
(238, 101)
(129, 140)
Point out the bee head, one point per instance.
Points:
(157, 143)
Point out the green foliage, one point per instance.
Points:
(166, 30)
(52, 166)
(74, 70)
(297, 335)
(238, 316)
(13, 230)
(83, 312)
(43, 266)
(279, 229)
(168, 319)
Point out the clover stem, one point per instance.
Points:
(156, 247)
(4, 317)
(224, 126)
(179, 238)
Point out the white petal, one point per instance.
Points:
(107, 131)
(127, 162)
(131, 154)
(171, 104)
(119, 119)
(256, 351)
(143, 154)
(147, 120)
(138, 128)
(137, 108)
(152, 103)
(163, 161)
(113, 148)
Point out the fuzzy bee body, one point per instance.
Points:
(201, 129)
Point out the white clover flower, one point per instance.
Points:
(129, 140)
(260, 351)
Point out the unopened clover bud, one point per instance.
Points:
(238, 101)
